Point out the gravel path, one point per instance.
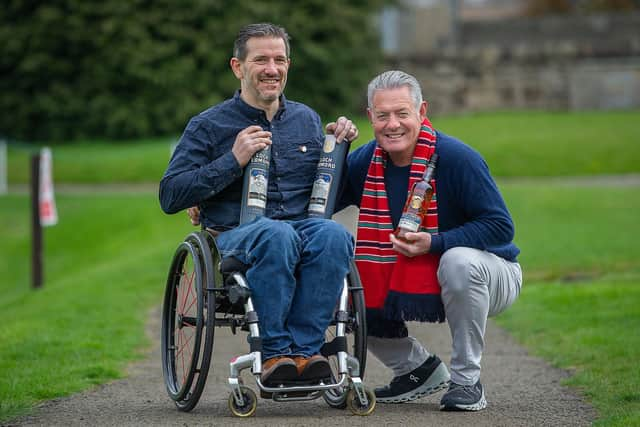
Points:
(521, 390)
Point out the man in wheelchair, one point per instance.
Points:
(296, 264)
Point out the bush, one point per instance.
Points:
(73, 69)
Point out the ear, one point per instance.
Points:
(370, 115)
(236, 67)
(423, 109)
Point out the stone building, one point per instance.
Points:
(475, 55)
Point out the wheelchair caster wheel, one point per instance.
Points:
(357, 408)
(336, 398)
(249, 406)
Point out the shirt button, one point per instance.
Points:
(281, 206)
(303, 148)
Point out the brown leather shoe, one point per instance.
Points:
(278, 369)
(311, 368)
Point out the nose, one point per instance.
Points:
(393, 122)
(270, 67)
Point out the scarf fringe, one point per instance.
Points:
(400, 306)
(378, 326)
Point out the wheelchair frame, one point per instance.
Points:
(203, 293)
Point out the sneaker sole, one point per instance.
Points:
(438, 380)
(478, 406)
(320, 370)
(280, 374)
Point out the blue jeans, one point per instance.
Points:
(296, 276)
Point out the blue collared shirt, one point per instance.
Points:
(204, 172)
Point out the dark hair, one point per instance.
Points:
(264, 29)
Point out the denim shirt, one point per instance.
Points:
(204, 172)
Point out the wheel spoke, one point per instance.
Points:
(185, 344)
(186, 293)
(188, 282)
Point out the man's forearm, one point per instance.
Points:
(188, 188)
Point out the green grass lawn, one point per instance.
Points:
(105, 267)
(593, 330)
(575, 233)
(513, 143)
(99, 162)
(552, 143)
(580, 304)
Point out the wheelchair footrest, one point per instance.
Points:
(301, 383)
(291, 395)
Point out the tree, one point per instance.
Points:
(72, 69)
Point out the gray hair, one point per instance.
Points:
(264, 29)
(392, 80)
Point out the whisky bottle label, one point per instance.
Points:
(329, 144)
(416, 202)
(320, 193)
(409, 222)
(257, 196)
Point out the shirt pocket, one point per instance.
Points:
(301, 159)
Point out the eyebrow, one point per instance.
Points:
(263, 56)
(401, 110)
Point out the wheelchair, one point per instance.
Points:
(204, 291)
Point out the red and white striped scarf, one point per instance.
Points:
(397, 287)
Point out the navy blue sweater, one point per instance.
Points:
(471, 210)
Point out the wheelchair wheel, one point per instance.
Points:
(188, 322)
(356, 334)
(249, 406)
(356, 408)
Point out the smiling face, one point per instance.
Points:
(396, 122)
(263, 73)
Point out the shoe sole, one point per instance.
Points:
(316, 371)
(478, 406)
(438, 380)
(280, 374)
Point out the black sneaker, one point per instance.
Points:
(464, 398)
(426, 379)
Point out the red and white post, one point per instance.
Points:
(43, 209)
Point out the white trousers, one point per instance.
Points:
(475, 285)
